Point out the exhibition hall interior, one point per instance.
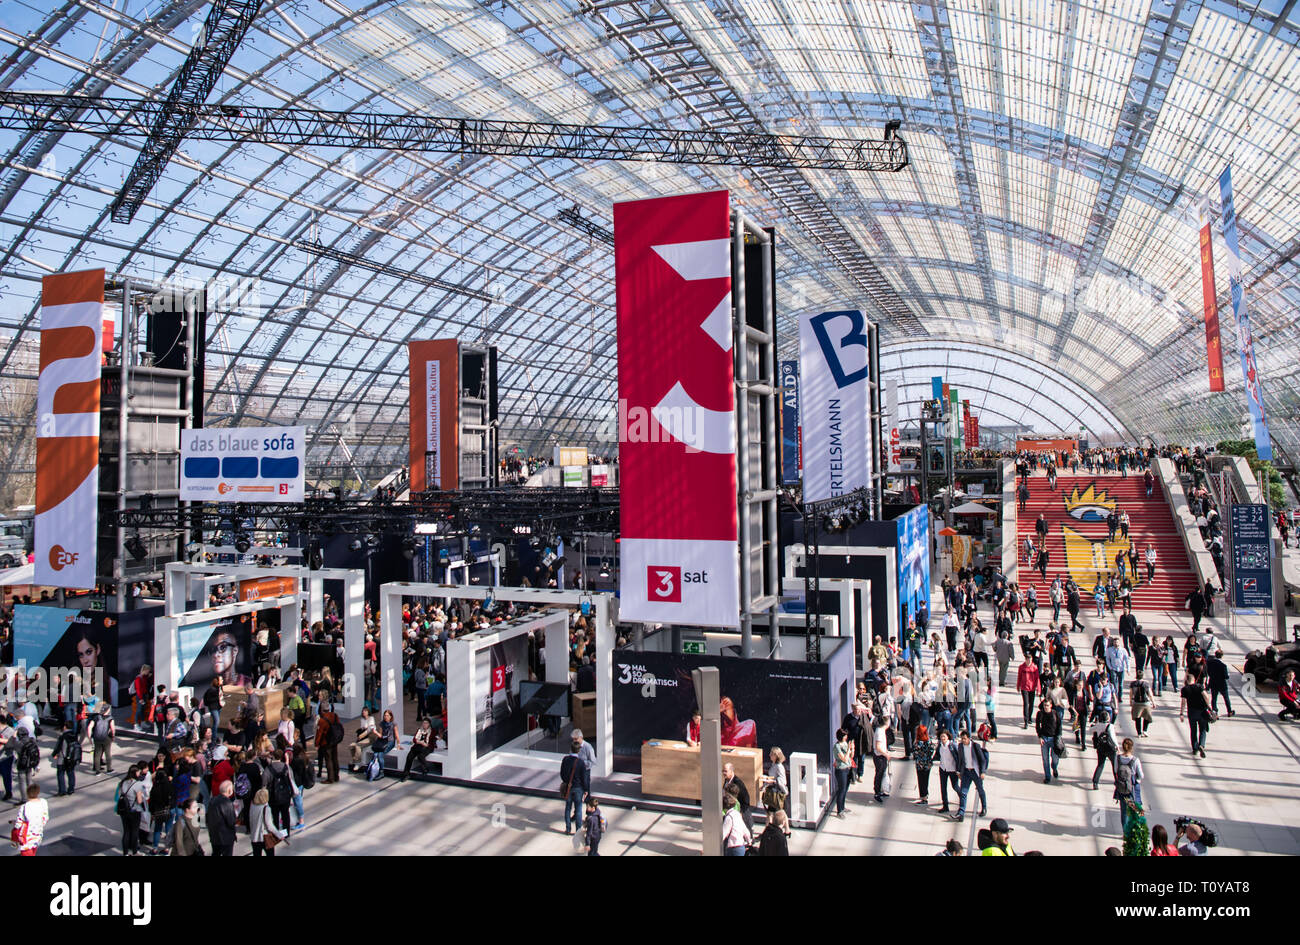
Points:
(649, 427)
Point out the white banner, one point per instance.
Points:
(67, 429)
(243, 464)
(835, 404)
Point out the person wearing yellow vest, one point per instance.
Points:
(1001, 845)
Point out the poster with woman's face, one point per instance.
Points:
(69, 645)
(216, 648)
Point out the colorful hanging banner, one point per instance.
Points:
(790, 439)
(894, 444)
(1245, 336)
(67, 429)
(835, 404)
(1213, 345)
(954, 419)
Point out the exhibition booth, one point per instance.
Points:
(488, 698)
(188, 585)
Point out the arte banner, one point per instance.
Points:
(679, 562)
(67, 429)
(1213, 344)
(1245, 335)
(251, 464)
(835, 404)
(791, 442)
(435, 414)
(895, 445)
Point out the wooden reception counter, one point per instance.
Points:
(672, 769)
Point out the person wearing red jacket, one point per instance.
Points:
(1027, 685)
(1288, 691)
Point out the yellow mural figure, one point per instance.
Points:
(1090, 558)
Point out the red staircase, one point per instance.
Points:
(1077, 542)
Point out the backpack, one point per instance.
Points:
(71, 756)
(242, 785)
(374, 770)
(308, 777)
(1123, 780)
(29, 755)
(335, 736)
(123, 805)
(281, 790)
(984, 753)
(100, 732)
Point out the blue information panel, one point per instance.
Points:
(1252, 556)
(790, 423)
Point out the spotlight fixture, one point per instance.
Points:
(315, 557)
(559, 562)
(372, 540)
(355, 544)
(548, 559)
(470, 557)
(604, 569)
(891, 128)
(410, 545)
(242, 542)
(136, 547)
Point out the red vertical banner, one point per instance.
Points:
(1213, 346)
(435, 414)
(975, 433)
(67, 429)
(677, 411)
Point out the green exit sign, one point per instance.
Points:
(695, 647)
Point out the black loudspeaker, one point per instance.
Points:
(165, 336)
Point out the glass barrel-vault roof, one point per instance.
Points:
(1059, 153)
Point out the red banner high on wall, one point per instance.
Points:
(677, 418)
(67, 429)
(435, 414)
(1213, 346)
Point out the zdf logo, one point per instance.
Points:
(60, 558)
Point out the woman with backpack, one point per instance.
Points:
(161, 807)
(280, 790)
(1128, 782)
(301, 767)
(130, 804)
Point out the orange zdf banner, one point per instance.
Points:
(1213, 345)
(67, 429)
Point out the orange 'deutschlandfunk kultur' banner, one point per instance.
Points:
(1213, 343)
(435, 413)
(67, 429)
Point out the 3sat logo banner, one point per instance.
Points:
(677, 416)
(253, 464)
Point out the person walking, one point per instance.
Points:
(1048, 727)
(1027, 684)
(1117, 663)
(1072, 606)
(972, 762)
(1103, 742)
(27, 758)
(1216, 670)
(842, 765)
(185, 832)
(1140, 698)
(947, 757)
(1195, 708)
(1003, 650)
(575, 777)
(1150, 557)
(594, 824)
(28, 826)
(1056, 594)
(102, 732)
(1195, 602)
(1128, 783)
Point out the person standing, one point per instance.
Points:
(1140, 697)
(1040, 527)
(1048, 727)
(1003, 650)
(594, 825)
(1001, 845)
(27, 758)
(880, 755)
(185, 832)
(1116, 666)
(1216, 671)
(575, 776)
(131, 804)
(329, 734)
(221, 821)
(842, 765)
(972, 762)
(1027, 683)
(735, 835)
(67, 755)
(947, 757)
(262, 822)
(102, 732)
(923, 759)
(29, 825)
(1195, 602)
(1195, 708)
(1151, 562)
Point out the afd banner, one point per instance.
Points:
(677, 411)
(1245, 335)
(67, 429)
(435, 414)
(253, 464)
(835, 404)
(790, 439)
(1210, 300)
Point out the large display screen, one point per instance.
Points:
(221, 647)
(498, 671)
(913, 561)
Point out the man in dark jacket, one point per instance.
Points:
(1048, 727)
(1127, 627)
(971, 765)
(1217, 670)
(575, 776)
(1072, 605)
(221, 821)
(729, 780)
(1196, 602)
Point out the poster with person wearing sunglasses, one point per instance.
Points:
(216, 648)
